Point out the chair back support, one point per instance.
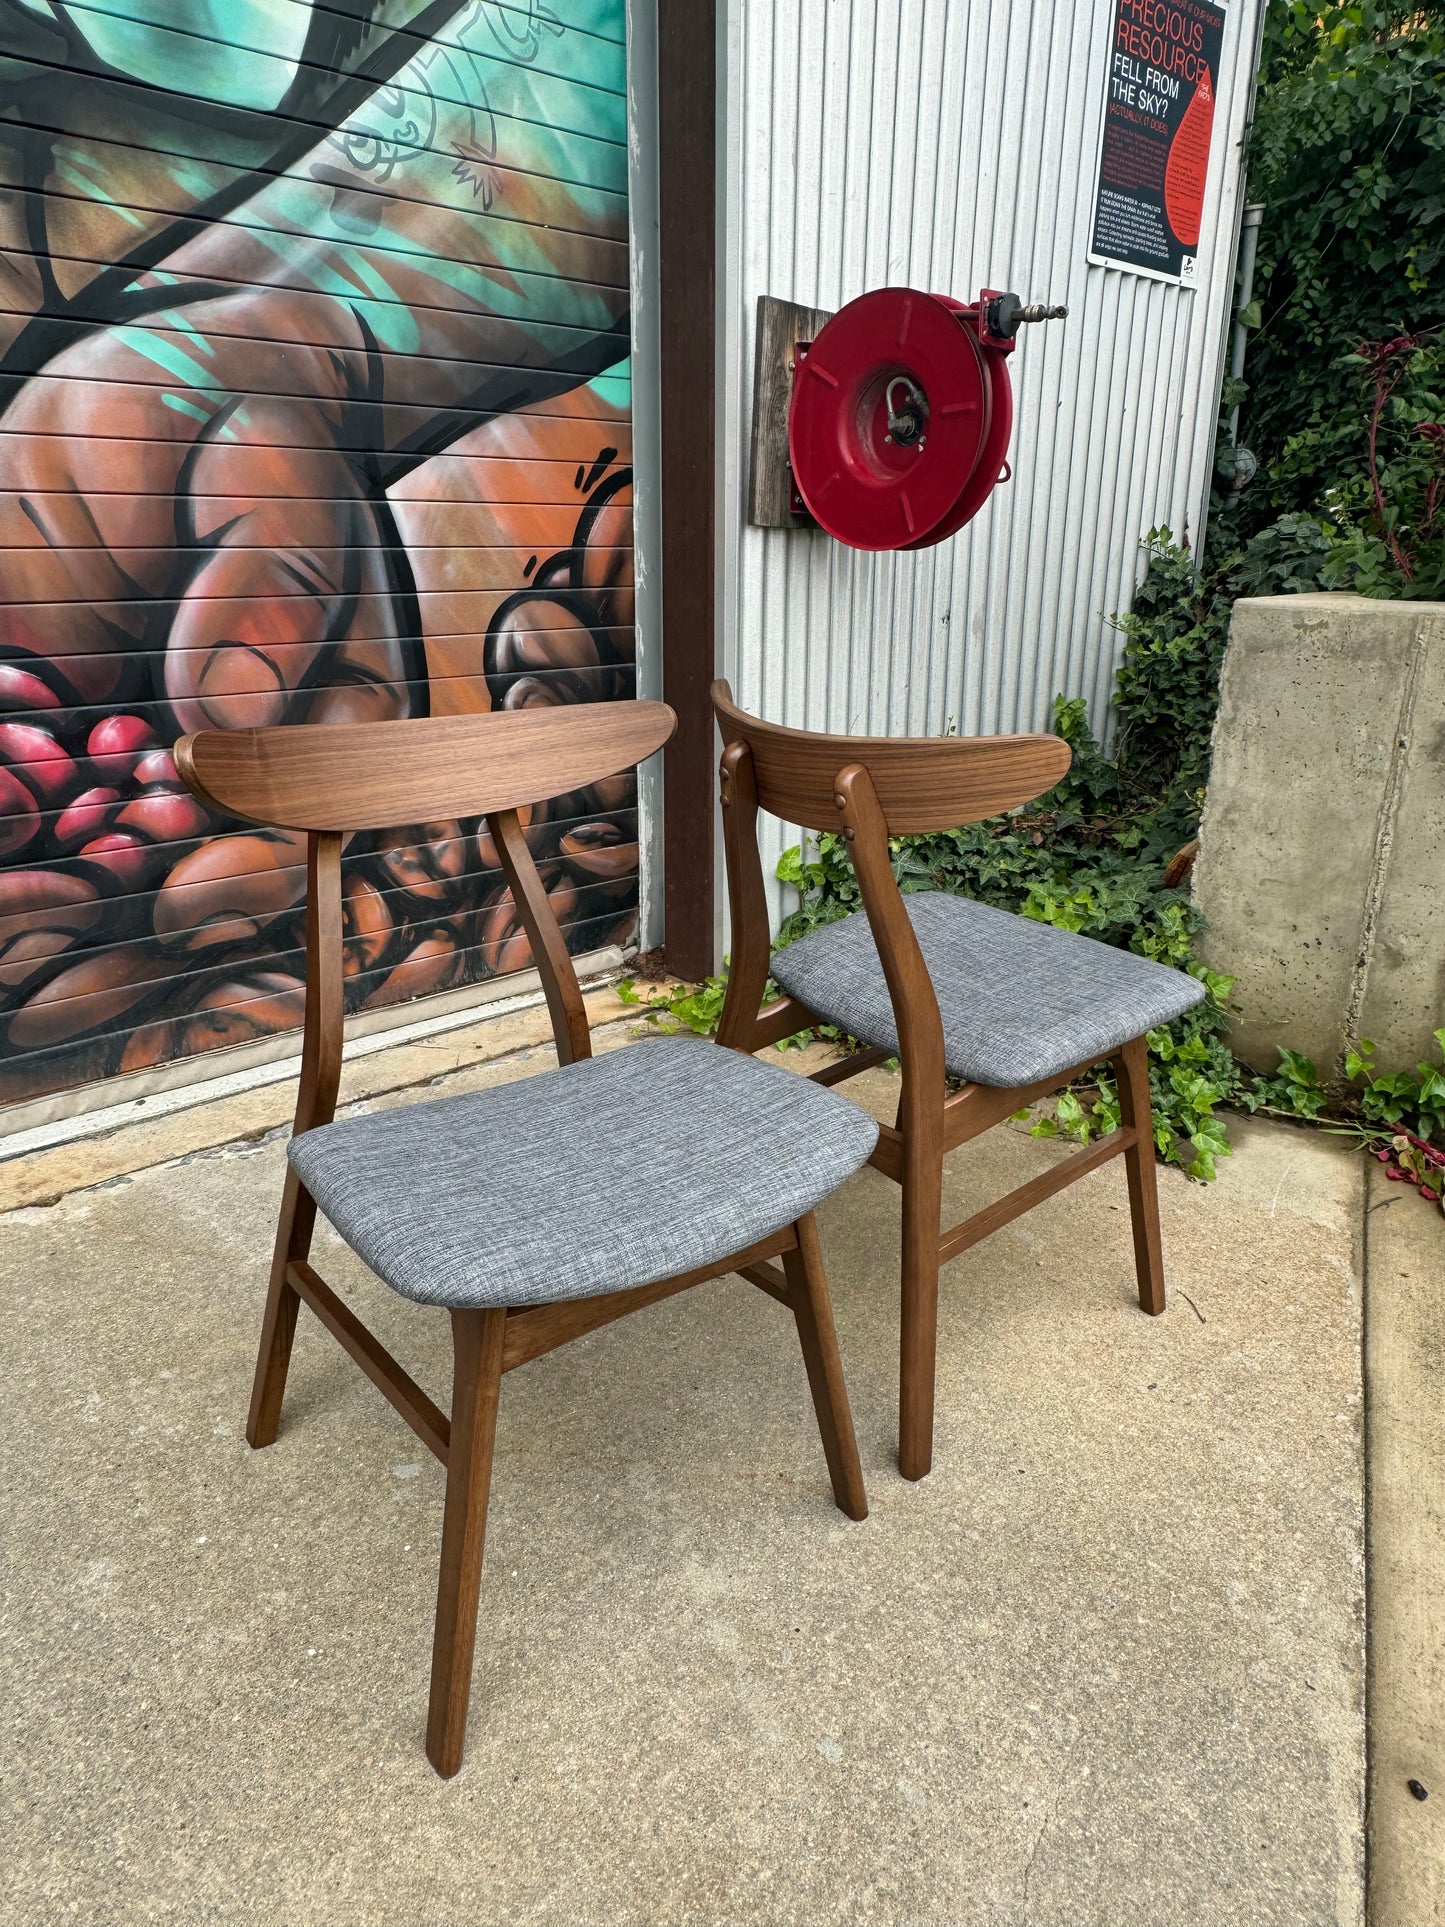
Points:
(330, 779)
(922, 782)
(375, 776)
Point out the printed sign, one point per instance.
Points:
(1154, 154)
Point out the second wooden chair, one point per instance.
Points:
(1010, 1009)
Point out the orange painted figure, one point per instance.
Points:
(345, 434)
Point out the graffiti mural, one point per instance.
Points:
(315, 408)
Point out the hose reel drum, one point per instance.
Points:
(900, 414)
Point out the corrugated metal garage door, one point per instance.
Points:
(316, 407)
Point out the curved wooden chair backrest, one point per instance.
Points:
(330, 779)
(375, 776)
(921, 782)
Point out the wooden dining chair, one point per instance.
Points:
(538, 1210)
(1009, 1009)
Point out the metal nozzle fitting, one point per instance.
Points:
(1005, 314)
(1039, 311)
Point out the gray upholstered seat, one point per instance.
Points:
(656, 1159)
(1020, 1000)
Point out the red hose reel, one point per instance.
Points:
(901, 412)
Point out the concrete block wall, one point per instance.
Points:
(1322, 850)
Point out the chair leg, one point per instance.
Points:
(476, 1385)
(278, 1325)
(814, 1312)
(1131, 1067)
(918, 1354)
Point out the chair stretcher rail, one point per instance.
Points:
(430, 1424)
(994, 1216)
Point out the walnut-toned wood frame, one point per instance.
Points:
(872, 788)
(329, 780)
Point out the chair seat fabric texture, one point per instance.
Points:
(655, 1159)
(1019, 1000)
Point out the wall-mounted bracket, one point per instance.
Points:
(782, 327)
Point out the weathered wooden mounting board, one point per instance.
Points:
(781, 326)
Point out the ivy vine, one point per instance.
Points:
(1344, 398)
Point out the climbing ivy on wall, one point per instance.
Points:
(1344, 397)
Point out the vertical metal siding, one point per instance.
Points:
(948, 144)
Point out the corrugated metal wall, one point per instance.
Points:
(316, 407)
(950, 144)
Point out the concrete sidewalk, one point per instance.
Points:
(1105, 1665)
(1405, 1456)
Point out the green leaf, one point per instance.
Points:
(1299, 1070)
(790, 867)
(1072, 1117)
